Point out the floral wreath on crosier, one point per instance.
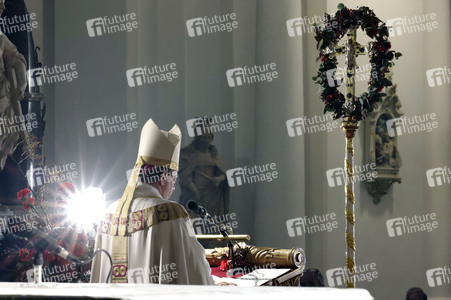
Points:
(381, 59)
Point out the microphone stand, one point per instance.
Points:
(207, 218)
(38, 262)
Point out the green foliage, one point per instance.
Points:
(381, 58)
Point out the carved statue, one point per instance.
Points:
(386, 151)
(12, 87)
(203, 175)
(381, 148)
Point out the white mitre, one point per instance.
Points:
(159, 147)
(156, 147)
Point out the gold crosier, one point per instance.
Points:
(352, 49)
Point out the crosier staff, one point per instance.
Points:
(349, 106)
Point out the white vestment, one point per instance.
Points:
(160, 252)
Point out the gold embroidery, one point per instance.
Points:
(162, 207)
(163, 216)
(147, 217)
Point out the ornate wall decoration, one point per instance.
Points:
(381, 145)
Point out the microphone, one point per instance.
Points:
(196, 208)
(43, 241)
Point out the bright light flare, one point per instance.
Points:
(87, 208)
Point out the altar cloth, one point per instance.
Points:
(185, 292)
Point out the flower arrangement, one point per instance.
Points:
(45, 209)
(381, 59)
(58, 227)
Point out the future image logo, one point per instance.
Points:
(414, 124)
(336, 76)
(164, 273)
(248, 175)
(305, 25)
(214, 124)
(438, 176)
(210, 25)
(337, 277)
(438, 276)
(55, 74)
(438, 76)
(57, 273)
(202, 227)
(15, 123)
(35, 77)
(248, 75)
(149, 75)
(111, 125)
(309, 225)
(108, 25)
(18, 23)
(337, 176)
(409, 225)
(412, 25)
(16, 224)
(149, 175)
(55, 174)
(308, 125)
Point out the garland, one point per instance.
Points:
(381, 59)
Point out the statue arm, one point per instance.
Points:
(16, 69)
(186, 173)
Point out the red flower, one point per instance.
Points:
(66, 188)
(82, 238)
(31, 200)
(77, 250)
(323, 58)
(382, 47)
(25, 205)
(223, 267)
(49, 256)
(380, 88)
(61, 243)
(25, 254)
(62, 261)
(23, 193)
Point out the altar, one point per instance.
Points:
(154, 291)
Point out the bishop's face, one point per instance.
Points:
(167, 185)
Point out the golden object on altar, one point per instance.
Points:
(262, 256)
(218, 237)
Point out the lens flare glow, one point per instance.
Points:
(86, 208)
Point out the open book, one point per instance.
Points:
(256, 278)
